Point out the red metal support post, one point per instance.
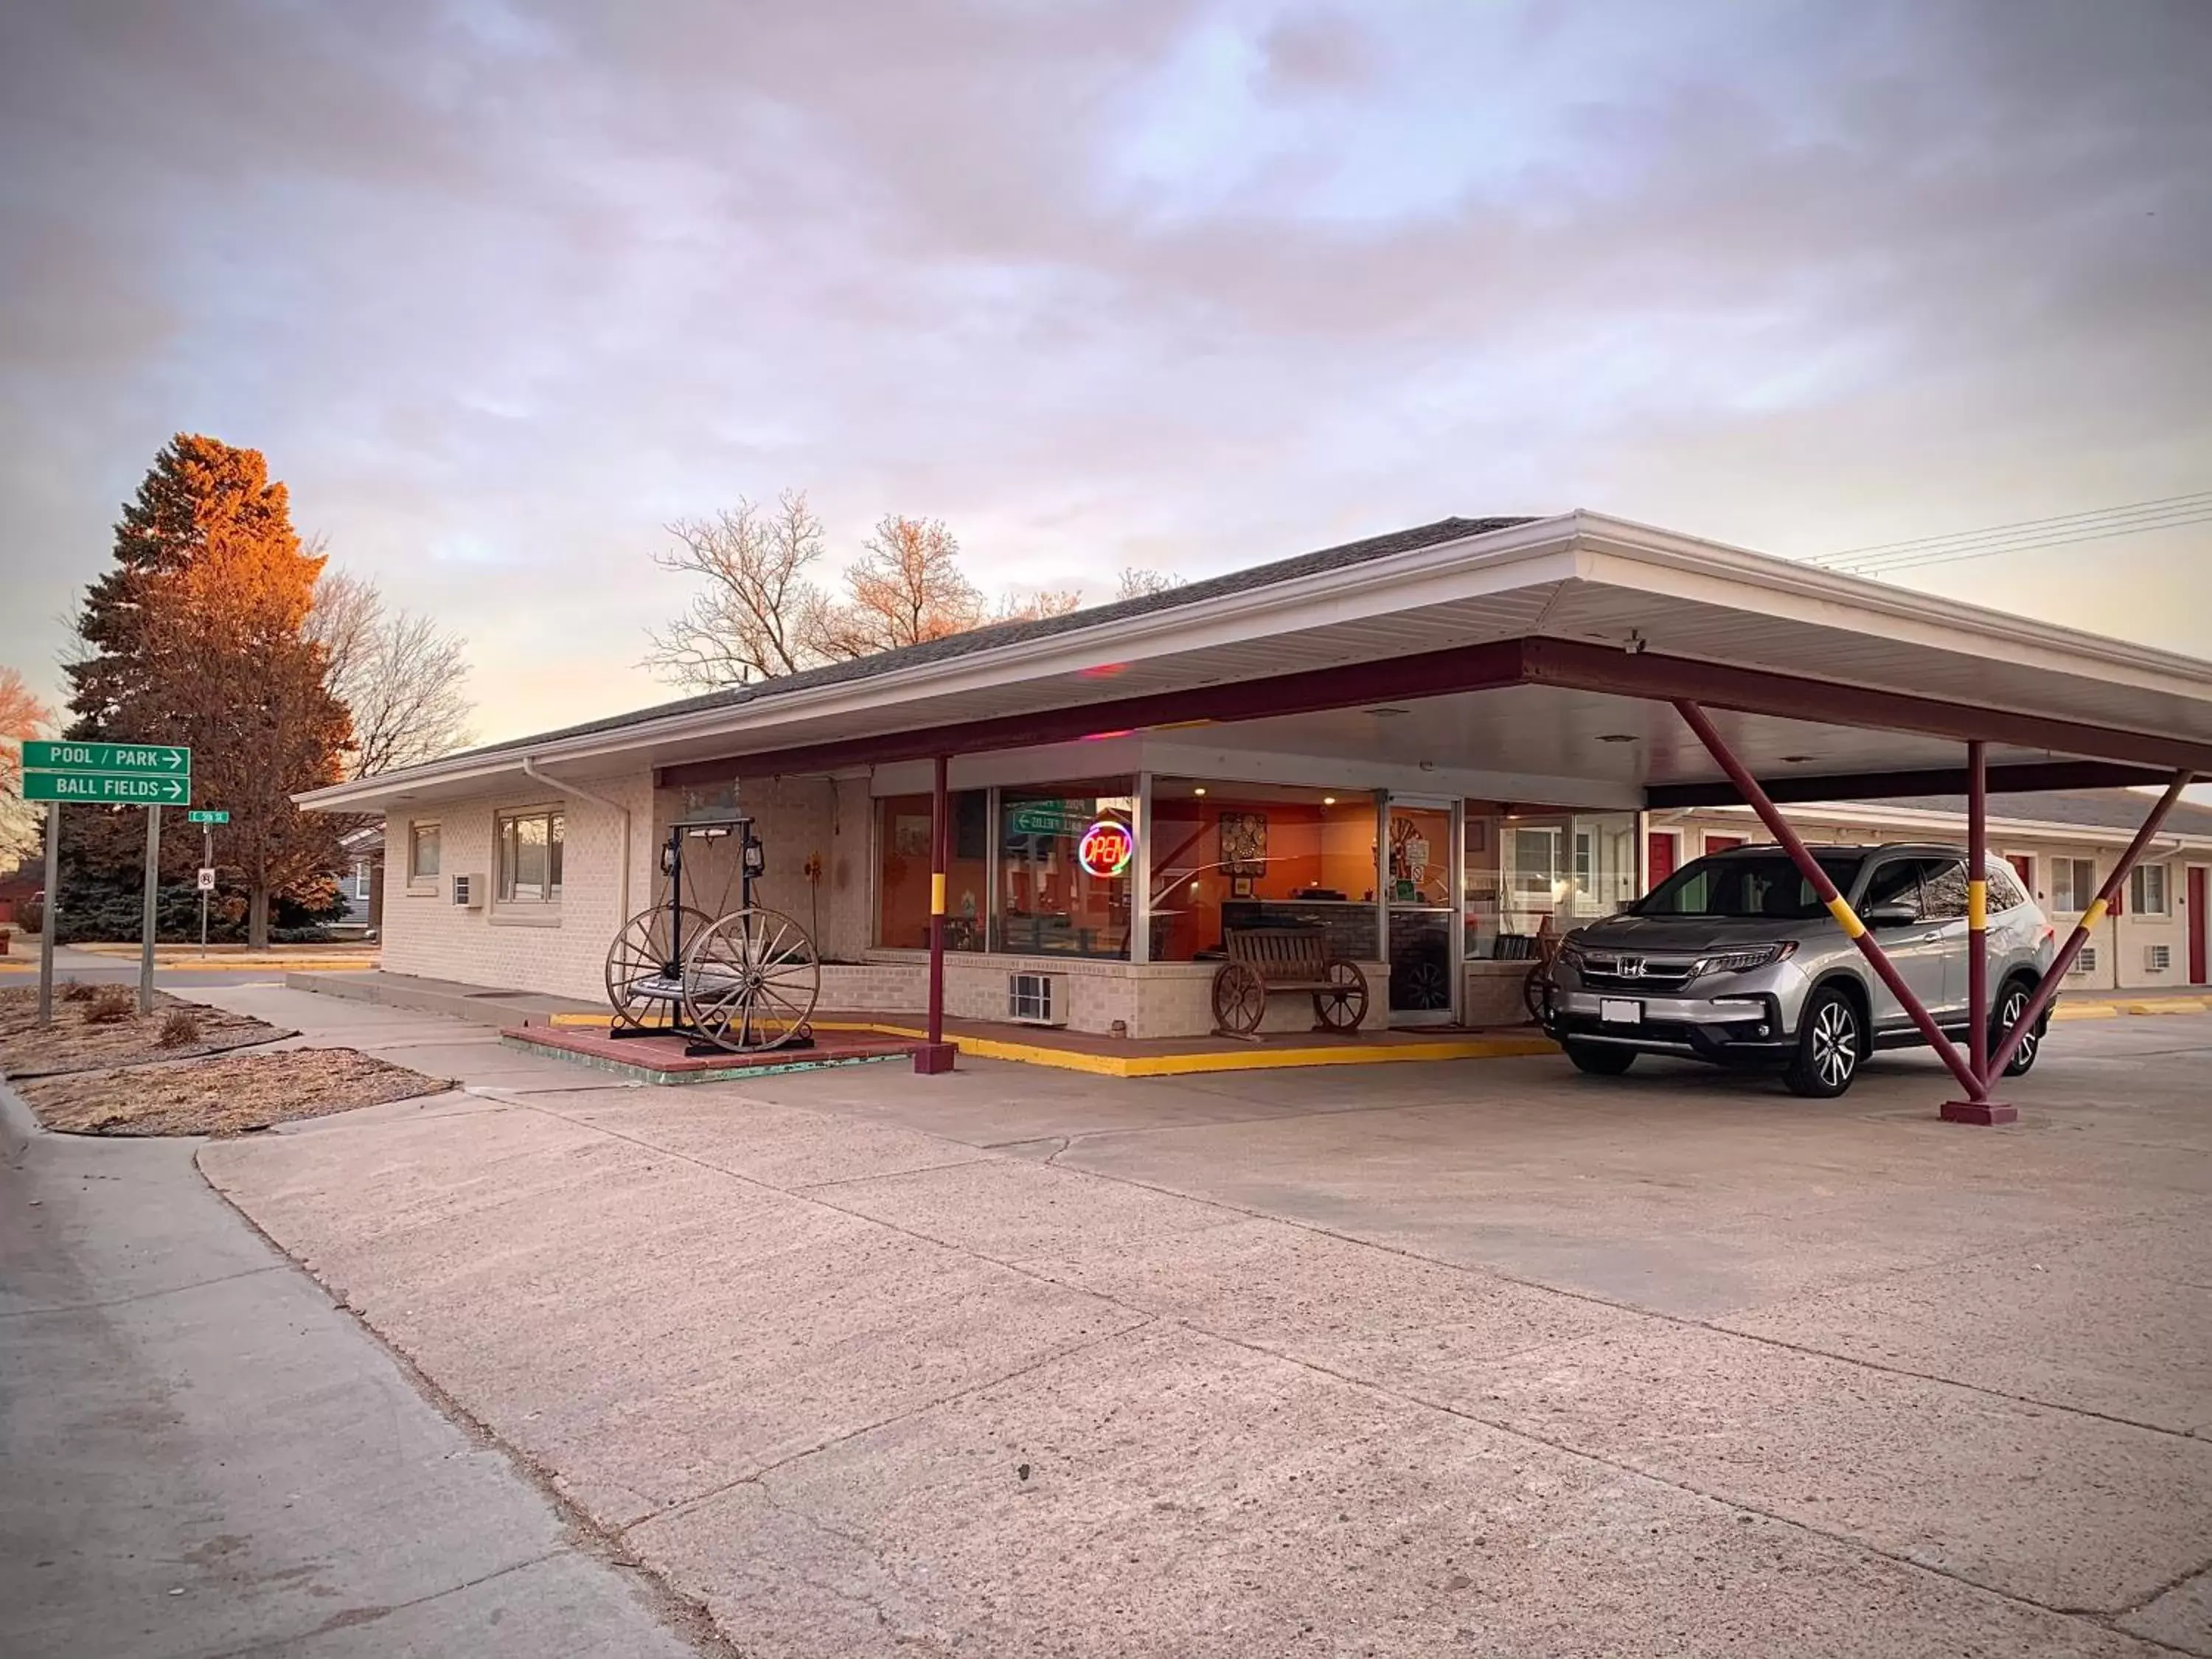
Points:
(1979, 1109)
(2047, 991)
(1846, 918)
(937, 1054)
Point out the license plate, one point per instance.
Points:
(1619, 1011)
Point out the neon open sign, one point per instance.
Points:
(1106, 848)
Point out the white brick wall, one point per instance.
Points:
(559, 950)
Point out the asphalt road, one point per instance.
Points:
(201, 1455)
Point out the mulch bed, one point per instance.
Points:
(227, 1095)
(72, 1044)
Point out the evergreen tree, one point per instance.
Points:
(197, 635)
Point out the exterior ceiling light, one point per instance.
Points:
(1200, 790)
(1796, 760)
(1328, 800)
(1385, 713)
(1616, 736)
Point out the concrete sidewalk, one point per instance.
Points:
(1462, 1360)
(201, 1455)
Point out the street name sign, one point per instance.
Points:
(207, 815)
(165, 760)
(107, 774)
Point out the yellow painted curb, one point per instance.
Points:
(2172, 1005)
(1257, 1060)
(2085, 1011)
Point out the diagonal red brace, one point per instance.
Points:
(1809, 867)
(2047, 991)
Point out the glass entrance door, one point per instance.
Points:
(1418, 904)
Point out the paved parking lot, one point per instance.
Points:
(1472, 1358)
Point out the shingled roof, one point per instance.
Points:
(1010, 633)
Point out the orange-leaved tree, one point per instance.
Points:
(22, 716)
(198, 635)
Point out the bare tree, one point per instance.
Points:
(1138, 584)
(759, 614)
(22, 716)
(1036, 607)
(907, 587)
(399, 674)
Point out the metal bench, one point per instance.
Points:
(1265, 960)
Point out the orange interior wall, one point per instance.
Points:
(1308, 846)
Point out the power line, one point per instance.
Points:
(2027, 535)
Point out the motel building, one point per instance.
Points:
(1437, 745)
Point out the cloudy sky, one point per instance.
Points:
(501, 287)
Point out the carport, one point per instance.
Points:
(1578, 657)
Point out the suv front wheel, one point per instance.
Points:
(1830, 1038)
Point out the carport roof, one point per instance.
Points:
(1585, 618)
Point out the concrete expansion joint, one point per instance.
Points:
(354, 1618)
(758, 1478)
(143, 1295)
(2100, 1617)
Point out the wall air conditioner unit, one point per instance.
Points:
(2084, 963)
(2157, 958)
(469, 892)
(1030, 1001)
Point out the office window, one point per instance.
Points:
(529, 856)
(423, 853)
(2147, 890)
(2072, 884)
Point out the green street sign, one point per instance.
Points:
(107, 788)
(199, 815)
(160, 760)
(1051, 820)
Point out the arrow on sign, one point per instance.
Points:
(173, 789)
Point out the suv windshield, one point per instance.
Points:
(1739, 885)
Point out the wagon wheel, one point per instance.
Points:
(1537, 992)
(750, 980)
(1240, 998)
(644, 959)
(1343, 1004)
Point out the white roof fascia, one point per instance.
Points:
(1629, 555)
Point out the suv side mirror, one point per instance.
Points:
(1890, 916)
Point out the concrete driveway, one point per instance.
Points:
(1475, 1358)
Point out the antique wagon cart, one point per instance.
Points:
(1265, 960)
(740, 980)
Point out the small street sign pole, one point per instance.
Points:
(207, 859)
(50, 918)
(153, 893)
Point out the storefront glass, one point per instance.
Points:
(1532, 873)
(902, 871)
(1253, 855)
(1067, 859)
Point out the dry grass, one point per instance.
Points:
(225, 1095)
(79, 1040)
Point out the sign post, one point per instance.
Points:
(148, 774)
(207, 818)
(50, 918)
(152, 896)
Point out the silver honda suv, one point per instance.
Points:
(1734, 960)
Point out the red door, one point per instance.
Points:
(1723, 844)
(1659, 856)
(2198, 923)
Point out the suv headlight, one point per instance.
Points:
(1743, 961)
(1571, 954)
